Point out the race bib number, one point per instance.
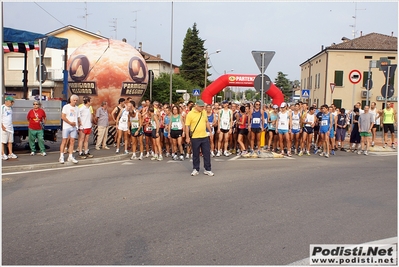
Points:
(256, 120)
(295, 124)
(324, 123)
(225, 124)
(148, 128)
(176, 125)
(282, 123)
(123, 120)
(135, 125)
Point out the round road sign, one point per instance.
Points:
(355, 76)
(186, 96)
(258, 83)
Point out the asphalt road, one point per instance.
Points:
(265, 211)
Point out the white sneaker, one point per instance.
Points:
(32, 153)
(393, 146)
(160, 158)
(147, 155)
(366, 153)
(226, 153)
(152, 154)
(72, 159)
(117, 151)
(209, 173)
(212, 154)
(133, 157)
(141, 157)
(218, 154)
(61, 160)
(300, 153)
(372, 144)
(126, 152)
(181, 157)
(194, 173)
(187, 156)
(155, 157)
(43, 154)
(167, 154)
(12, 156)
(359, 152)
(5, 157)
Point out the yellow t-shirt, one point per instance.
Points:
(191, 120)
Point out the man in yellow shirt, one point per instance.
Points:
(197, 123)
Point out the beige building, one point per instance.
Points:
(338, 66)
(55, 63)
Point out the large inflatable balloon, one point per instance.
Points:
(107, 70)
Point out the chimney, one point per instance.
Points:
(361, 33)
(140, 46)
(392, 34)
(159, 55)
(345, 39)
(322, 47)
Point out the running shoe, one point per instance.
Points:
(393, 146)
(212, 154)
(258, 152)
(209, 173)
(133, 157)
(226, 153)
(251, 153)
(175, 157)
(152, 153)
(106, 147)
(359, 152)
(343, 149)
(72, 159)
(300, 153)
(327, 156)
(333, 152)
(155, 157)
(289, 154)
(187, 156)
(43, 154)
(12, 156)
(321, 154)
(61, 160)
(308, 153)
(181, 157)
(82, 156)
(141, 157)
(295, 151)
(126, 152)
(117, 151)
(194, 172)
(244, 153)
(167, 154)
(97, 148)
(372, 144)
(160, 158)
(114, 144)
(32, 153)
(89, 155)
(147, 155)
(366, 153)
(5, 157)
(385, 145)
(218, 154)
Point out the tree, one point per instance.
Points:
(192, 58)
(284, 84)
(161, 88)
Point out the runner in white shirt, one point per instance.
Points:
(123, 122)
(376, 113)
(224, 129)
(296, 130)
(86, 114)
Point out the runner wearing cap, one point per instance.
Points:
(284, 124)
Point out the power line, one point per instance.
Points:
(49, 14)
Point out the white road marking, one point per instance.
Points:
(68, 167)
(383, 154)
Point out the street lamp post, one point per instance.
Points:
(206, 55)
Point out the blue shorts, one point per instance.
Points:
(295, 131)
(282, 131)
(332, 133)
(165, 134)
(323, 130)
(70, 132)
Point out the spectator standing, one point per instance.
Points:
(36, 118)
(86, 115)
(197, 123)
(389, 121)
(102, 123)
(355, 136)
(7, 128)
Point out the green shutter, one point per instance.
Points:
(365, 77)
(339, 78)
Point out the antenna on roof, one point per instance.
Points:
(115, 26)
(135, 28)
(354, 31)
(86, 15)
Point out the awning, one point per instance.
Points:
(22, 41)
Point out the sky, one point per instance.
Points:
(294, 30)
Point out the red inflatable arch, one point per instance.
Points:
(244, 80)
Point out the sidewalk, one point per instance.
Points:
(26, 162)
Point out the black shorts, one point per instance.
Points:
(389, 127)
(224, 131)
(243, 131)
(308, 129)
(176, 133)
(316, 128)
(376, 126)
(154, 133)
(256, 130)
(161, 130)
(272, 131)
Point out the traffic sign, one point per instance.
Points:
(355, 76)
(332, 86)
(44, 73)
(305, 93)
(196, 92)
(268, 56)
(384, 61)
(266, 83)
(390, 92)
(186, 96)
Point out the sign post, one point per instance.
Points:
(262, 59)
(354, 77)
(332, 87)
